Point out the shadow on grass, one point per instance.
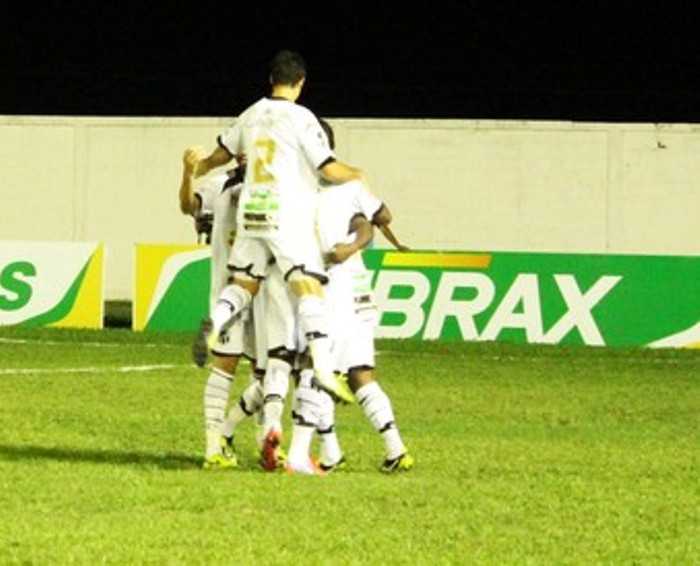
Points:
(165, 460)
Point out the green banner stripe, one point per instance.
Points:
(186, 301)
(64, 306)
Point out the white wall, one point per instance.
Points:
(496, 185)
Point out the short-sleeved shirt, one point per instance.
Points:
(338, 205)
(285, 146)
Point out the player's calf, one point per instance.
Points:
(377, 407)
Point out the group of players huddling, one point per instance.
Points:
(290, 290)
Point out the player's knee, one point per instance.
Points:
(226, 363)
(276, 381)
(249, 283)
(302, 284)
(359, 376)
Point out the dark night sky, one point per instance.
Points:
(582, 61)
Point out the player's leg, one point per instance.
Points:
(313, 320)
(248, 261)
(331, 456)
(279, 334)
(248, 405)
(354, 354)
(376, 405)
(226, 352)
(275, 388)
(306, 413)
(299, 259)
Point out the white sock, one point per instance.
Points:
(330, 447)
(232, 300)
(377, 409)
(314, 325)
(259, 430)
(272, 414)
(300, 447)
(275, 387)
(249, 404)
(216, 394)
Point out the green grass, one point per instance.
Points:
(525, 455)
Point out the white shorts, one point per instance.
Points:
(253, 255)
(352, 327)
(353, 345)
(280, 312)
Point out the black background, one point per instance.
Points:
(589, 61)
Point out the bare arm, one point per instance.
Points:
(217, 158)
(189, 203)
(339, 172)
(382, 218)
(389, 235)
(364, 232)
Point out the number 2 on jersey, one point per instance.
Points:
(265, 153)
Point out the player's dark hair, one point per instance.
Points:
(329, 132)
(287, 68)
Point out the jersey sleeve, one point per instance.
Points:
(314, 142)
(207, 192)
(231, 139)
(365, 202)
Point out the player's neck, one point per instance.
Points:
(286, 92)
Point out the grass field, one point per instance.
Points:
(525, 455)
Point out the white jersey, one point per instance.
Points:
(220, 200)
(285, 146)
(338, 205)
(349, 290)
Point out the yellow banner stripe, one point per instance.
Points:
(409, 259)
(87, 311)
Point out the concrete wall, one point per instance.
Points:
(496, 185)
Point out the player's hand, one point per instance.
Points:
(340, 253)
(192, 157)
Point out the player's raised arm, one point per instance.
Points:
(189, 203)
(220, 156)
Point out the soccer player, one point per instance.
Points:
(271, 338)
(346, 215)
(287, 151)
(217, 198)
